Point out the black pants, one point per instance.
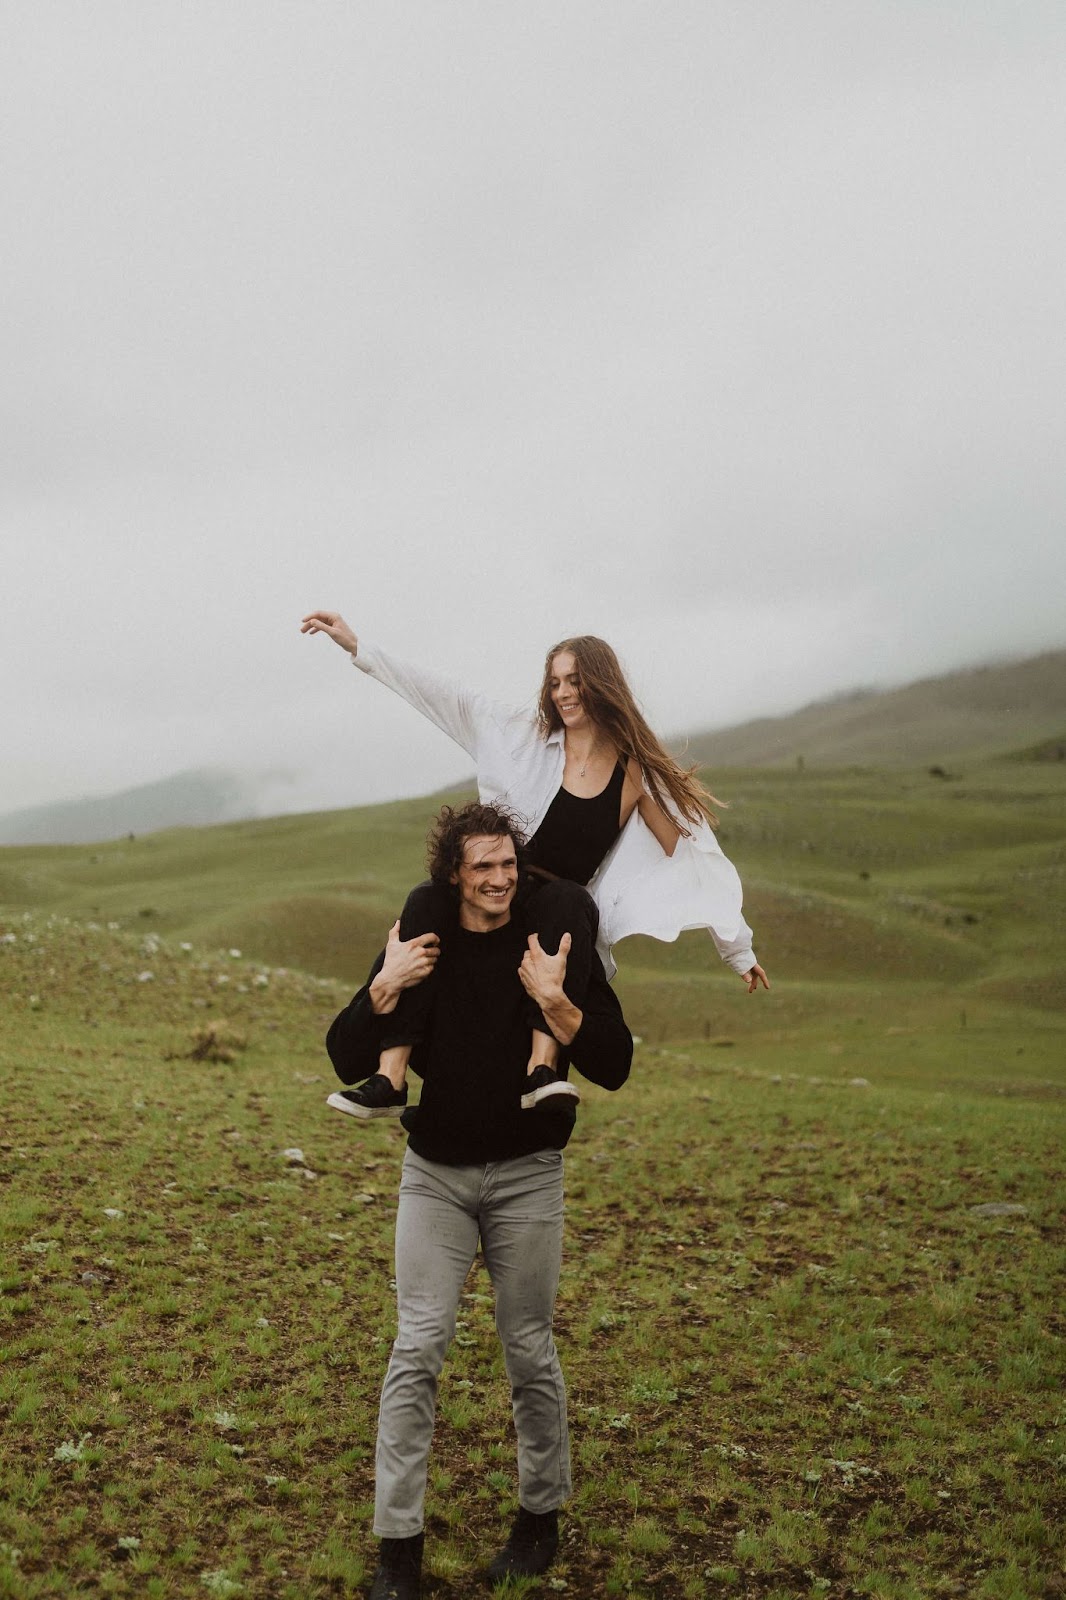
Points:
(549, 907)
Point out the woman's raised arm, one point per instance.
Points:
(458, 712)
(333, 623)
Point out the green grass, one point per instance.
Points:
(799, 1362)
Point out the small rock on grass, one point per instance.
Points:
(294, 1157)
(999, 1208)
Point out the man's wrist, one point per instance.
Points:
(561, 1015)
(383, 996)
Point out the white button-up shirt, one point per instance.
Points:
(637, 887)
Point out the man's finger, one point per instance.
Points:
(564, 944)
(534, 944)
(394, 932)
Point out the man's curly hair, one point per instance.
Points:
(454, 826)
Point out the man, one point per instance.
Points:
(478, 1167)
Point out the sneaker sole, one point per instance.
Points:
(364, 1113)
(535, 1096)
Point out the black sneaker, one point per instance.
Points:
(399, 1574)
(531, 1548)
(542, 1082)
(374, 1098)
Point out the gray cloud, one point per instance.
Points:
(735, 334)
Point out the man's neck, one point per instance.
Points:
(480, 922)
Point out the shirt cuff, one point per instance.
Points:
(741, 961)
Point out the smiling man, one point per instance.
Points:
(478, 1169)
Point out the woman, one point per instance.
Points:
(605, 806)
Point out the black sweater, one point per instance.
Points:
(473, 1059)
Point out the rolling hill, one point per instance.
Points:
(960, 716)
(865, 889)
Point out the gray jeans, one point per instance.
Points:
(516, 1208)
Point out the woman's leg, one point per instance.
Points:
(553, 907)
(429, 908)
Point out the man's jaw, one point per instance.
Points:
(494, 902)
(490, 906)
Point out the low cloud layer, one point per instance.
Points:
(735, 335)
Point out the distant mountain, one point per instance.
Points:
(980, 711)
(188, 800)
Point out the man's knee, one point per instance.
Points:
(422, 1348)
(528, 1354)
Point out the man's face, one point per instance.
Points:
(487, 880)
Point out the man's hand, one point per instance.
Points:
(333, 623)
(541, 974)
(542, 978)
(754, 977)
(407, 963)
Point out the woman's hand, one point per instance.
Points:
(407, 963)
(754, 977)
(333, 623)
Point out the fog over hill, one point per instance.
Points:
(981, 711)
(196, 799)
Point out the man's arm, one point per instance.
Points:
(594, 1037)
(354, 1038)
(353, 1042)
(602, 1047)
(404, 964)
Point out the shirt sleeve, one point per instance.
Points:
(641, 889)
(736, 953)
(353, 1042)
(602, 1048)
(458, 712)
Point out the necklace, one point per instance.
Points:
(589, 755)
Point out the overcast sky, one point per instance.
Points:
(735, 332)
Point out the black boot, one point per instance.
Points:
(399, 1574)
(531, 1548)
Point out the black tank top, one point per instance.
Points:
(576, 834)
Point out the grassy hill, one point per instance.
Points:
(870, 894)
(810, 1314)
(961, 716)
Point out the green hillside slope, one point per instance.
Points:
(811, 1303)
(853, 880)
(962, 715)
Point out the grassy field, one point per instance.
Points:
(804, 1358)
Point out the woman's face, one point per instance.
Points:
(564, 685)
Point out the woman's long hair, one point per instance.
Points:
(609, 703)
